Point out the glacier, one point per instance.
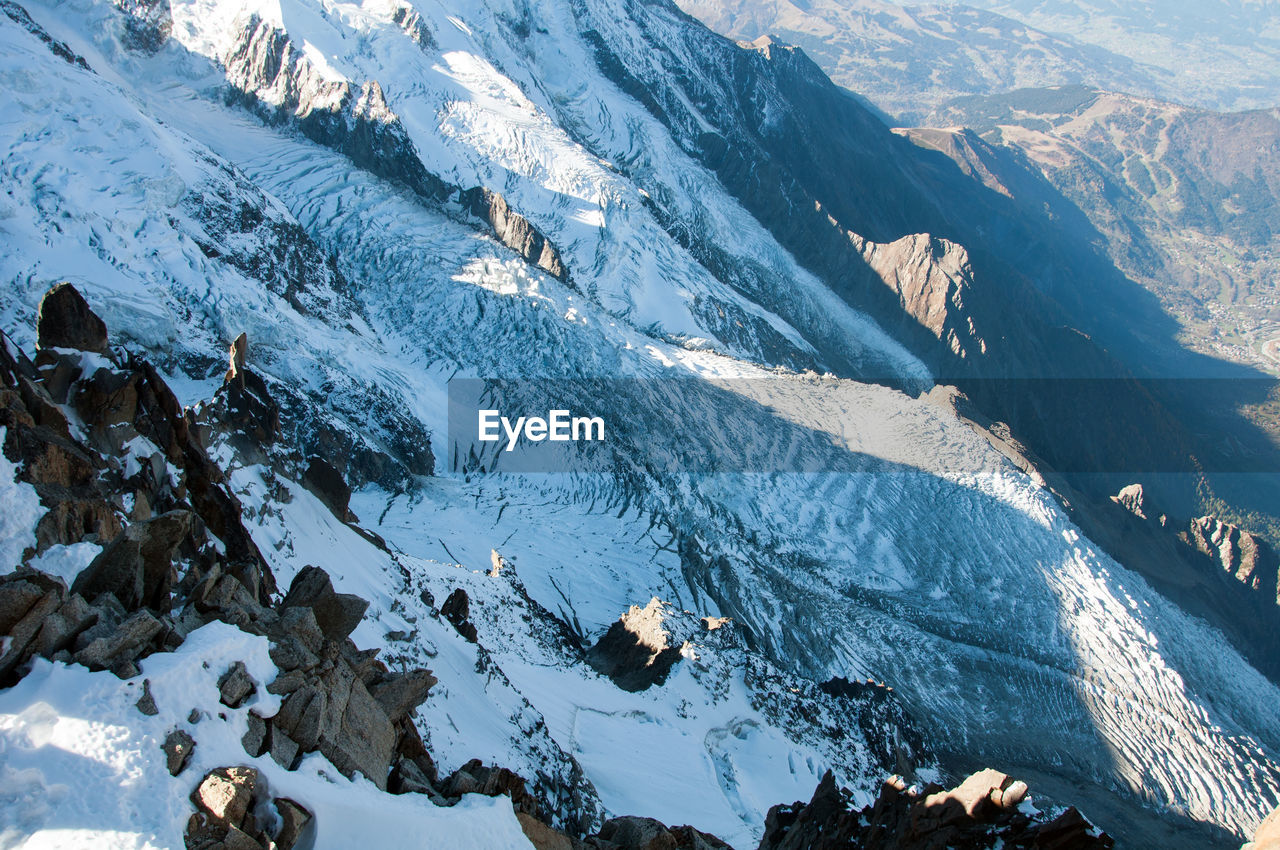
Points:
(926, 560)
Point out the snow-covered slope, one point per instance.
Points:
(188, 210)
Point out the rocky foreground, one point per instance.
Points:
(117, 462)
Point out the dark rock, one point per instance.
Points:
(238, 839)
(126, 643)
(403, 692)
(355, 733)
(337, 614)
(688, 838)
(137, 567)
(73, 520)
(251, 410)
(294, 820)
(408, 778)
(255, 740)
(634, 652)
(287, 683)
(635, 833)
(284, 750)
(27, 599)
(301, 714)
(981, 812)
(457, 610)
(67, 321)
(178, 747)
(226, 794)
(328, 485)
(236, 685)
(475, 777)
(107, 398)
(147, 703)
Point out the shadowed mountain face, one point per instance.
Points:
(1187, 199)
(1003, 291)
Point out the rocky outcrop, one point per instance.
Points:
(513, 230)
(1243, 556)
(984, 811)
(161, 573)
(270, 76)
(137, 567)
(232, 807)
(19, 16)
(67, 321)
(457, 610)
(634, 652)
(931, 278)
(147, 24)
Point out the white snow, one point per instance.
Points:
(81, 766)
(837, 573)
(64, 561)
(22, 510)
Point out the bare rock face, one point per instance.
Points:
(1245, 557)
(514, 230)
(236, 685)
(475, 777)
(67, 321)
(1267, 836)
(931, 277)
(137, 568)
(1133, 499)
(634, 653)
(328, 485)
(226, 794)
(982, 812)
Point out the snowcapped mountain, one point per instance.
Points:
(385, 196)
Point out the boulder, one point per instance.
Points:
(67, 321)
(137, 567)
(226, 794)
(294, 820)
(178, 747)
(635, 833)
(28, 598)
(337, 614)
(73, 520)
(401, 693)
(475, 777)
(457, 610)
(147, 702)
(60, 630)
(124, 645)
(236, 685)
